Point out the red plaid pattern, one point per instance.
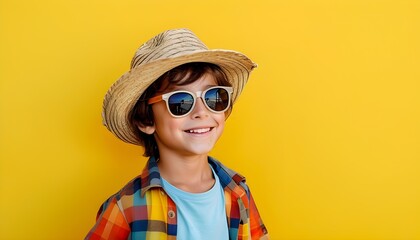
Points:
(143, 210)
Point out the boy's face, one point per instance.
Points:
(194, 134)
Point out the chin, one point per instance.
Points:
(201, 150)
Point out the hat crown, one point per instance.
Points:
(168, 44)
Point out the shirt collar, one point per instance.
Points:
(150, 177)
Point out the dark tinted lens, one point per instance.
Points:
(180, 103)
(217, 99)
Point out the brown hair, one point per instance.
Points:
(142, 114)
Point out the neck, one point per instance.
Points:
(188, 173)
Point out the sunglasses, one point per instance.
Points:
(181, 103)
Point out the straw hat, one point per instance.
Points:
(160, 54)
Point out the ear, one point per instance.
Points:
(147, 129)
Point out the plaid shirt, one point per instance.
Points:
(143, 210)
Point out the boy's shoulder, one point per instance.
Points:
(223, 170)
(149, 178)
(228, 177)
(125, 195)
(131, 188)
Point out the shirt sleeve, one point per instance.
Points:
(110, 223)
(258, 229)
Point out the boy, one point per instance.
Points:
(174, 102)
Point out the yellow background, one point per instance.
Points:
(327, 130)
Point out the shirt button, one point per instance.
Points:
(171, 214)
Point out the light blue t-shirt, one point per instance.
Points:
(200, 215)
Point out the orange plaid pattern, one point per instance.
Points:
(143, 210)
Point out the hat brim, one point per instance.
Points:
(124, 93)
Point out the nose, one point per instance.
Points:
(200, 110)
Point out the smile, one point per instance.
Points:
(199, 130)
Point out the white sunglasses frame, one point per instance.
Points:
(199, 94)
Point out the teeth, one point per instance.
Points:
(202, 130)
